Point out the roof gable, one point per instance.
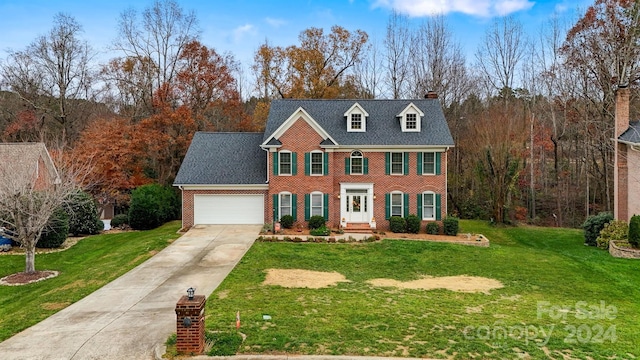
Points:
(299, 113)
(358, 124)
(25, 160)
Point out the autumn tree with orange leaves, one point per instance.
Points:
(318, 68)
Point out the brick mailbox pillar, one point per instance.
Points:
(190, 324)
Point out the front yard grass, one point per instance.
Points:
(84, 268)
(558, 299)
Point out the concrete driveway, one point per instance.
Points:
(129, 317)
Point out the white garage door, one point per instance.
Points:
(228, 209)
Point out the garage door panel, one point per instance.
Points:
(228, 209)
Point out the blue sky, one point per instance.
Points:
(240, 26)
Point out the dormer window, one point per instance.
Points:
(412, 123)
(410, 118)
(356, 121)
(356, 118)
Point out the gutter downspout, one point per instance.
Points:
(446, 184)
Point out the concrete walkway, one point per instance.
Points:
(130, 316)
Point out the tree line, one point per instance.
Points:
(531, 114)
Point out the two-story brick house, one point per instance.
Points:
(351, 161)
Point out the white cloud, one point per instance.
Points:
(480, 8)
(241, 31)
(276, 23)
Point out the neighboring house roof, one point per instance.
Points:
(21, 161)
(383, 126)
(218, 158)
(632, 135)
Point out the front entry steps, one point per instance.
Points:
(358, 228)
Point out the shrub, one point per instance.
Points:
(321, 231)
(615, 230)
(316, 222)
(56, 231)
(634, 231)
(450, 225)
(119, 220)
(397, 224)
(286, 221)
(413, 224)
(593, 225)
(83, 215)
(433, 228)
(151, 206)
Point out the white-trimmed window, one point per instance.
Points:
(412, 121)
(284, 162)
(356, 121)
(428, 205)
(356, 118)
(285, 204)
(397, 204)
(317, 163)
(397, 163)
(429, 163)
(357, 162)
(410, 118)
(317, 206)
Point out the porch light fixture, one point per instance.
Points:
(338, 196)
(190, 292)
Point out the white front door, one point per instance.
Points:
(357, 206)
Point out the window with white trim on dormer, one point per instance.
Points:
(356, 118)
(411, 121)
(356, 121)
(410, 118)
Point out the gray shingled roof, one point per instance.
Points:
(19, 161)
(632, 135)
(223, 158)
(383, 127)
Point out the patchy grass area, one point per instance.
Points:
(84, 268)
(560, 299)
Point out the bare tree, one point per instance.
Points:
(438, 64)
(26, 208)
(368, 73)
(397, 45)
(500, 52)
(154, 42)
(51, 71)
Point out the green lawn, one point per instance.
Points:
(542, 269)
(84, 268)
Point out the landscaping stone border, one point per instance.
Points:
(461, 239)
(622, 252)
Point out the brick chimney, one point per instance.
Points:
(622, 110)
(620, 169)
(434, 95)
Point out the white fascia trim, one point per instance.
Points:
(399, 148)
(224, 187)
(300, 113)
(353, 107)
(411, 106)
(631, 144)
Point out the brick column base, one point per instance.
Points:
(190, 324)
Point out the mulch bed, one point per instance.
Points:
(23, 278)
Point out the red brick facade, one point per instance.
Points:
(301, 138)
